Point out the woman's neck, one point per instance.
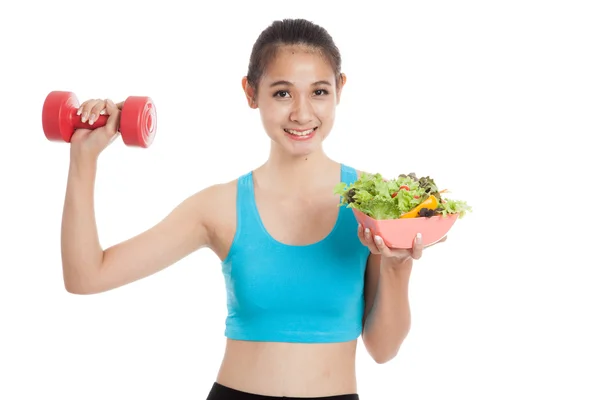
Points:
(285, 173)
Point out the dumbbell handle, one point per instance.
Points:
(78, 124)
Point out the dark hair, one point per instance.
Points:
(291, 32)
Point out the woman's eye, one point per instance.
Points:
(285, 93)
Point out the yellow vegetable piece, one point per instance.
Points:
(431, 202)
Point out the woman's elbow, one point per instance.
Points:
(75, 284)
(384, 357)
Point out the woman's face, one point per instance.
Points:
(297, 97)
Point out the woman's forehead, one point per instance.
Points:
(297, 66)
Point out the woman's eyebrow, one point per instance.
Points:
(288, 83)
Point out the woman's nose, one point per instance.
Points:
(302, 112)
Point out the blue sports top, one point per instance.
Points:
(283, 293)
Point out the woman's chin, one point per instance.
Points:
(304, 148)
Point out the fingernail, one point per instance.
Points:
(103, 112)
(378, 239)
(418, 238)
(79, 111)
(83, 117)
(92, 117)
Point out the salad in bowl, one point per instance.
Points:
(397, 209)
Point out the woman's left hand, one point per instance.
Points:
(377, 246)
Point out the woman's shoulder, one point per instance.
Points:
(351, 171)
(216, 193)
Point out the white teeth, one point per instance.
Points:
(300, 133)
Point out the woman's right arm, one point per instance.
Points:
(87, 267)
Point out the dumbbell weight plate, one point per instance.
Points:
(138, 121)
(56, 115)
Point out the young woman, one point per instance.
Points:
(303, 281)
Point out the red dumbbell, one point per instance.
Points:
(137, 123)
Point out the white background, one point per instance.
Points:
(498, 101)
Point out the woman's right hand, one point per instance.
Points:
(89, 143)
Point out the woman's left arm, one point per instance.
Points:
(387, 310)
(387, 316)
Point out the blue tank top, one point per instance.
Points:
(283, 293)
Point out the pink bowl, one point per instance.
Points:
(400, 233)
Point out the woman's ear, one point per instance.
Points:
(341, 81)
(249, 92)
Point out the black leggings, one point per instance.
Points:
(220, 392)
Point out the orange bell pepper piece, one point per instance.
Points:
(430, 202)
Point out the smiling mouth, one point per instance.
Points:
(301, 133)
